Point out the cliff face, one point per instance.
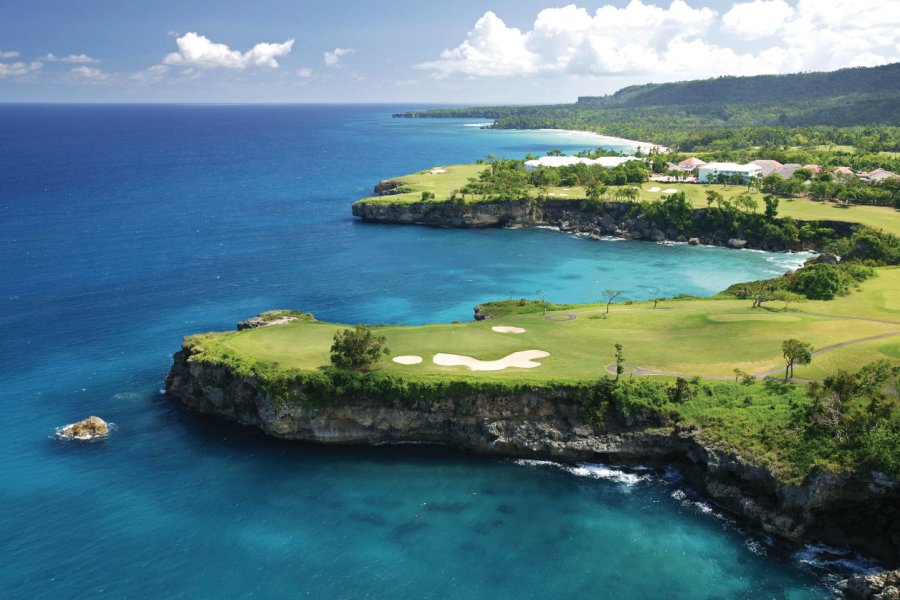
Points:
(619, 219)
(549, 424)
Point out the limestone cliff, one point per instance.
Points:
(549, 423)
(619, 219)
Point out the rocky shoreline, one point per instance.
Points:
(594, 220)
(549, 423)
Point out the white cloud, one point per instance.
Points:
(757, 19)
(153, 74)
(90, 74)
(199, 51)
(71, 58)
(304, 72)
(19, 69)
(333, 58)
(9, 54)
(679, 41)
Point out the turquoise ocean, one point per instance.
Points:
(125, 227)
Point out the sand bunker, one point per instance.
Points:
(653, 189)
(521, 360)
(670, 191)
(437, 171)
(408, 360)
(503, 329)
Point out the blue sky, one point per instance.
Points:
(410, 51)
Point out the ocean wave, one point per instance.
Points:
(701, 506)
(822, 557)
(629, 476)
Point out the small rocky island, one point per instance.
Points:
(89, 429)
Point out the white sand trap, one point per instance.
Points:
(670, 191)
(521, 360)
(408, 360)
(437, 171)
(504, 329)
(653, 189)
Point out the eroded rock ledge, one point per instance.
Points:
(548, 423)
(619, 219)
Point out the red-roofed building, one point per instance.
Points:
(689, 164)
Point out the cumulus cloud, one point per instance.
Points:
(9, 54)
(89, 74)
(153, 74)
(195, 50)
(679, 40)
(333, 58)
(760, 18)
(19, 69)
(71, 58)
(304, 72)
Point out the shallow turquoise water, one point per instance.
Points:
(124, 228)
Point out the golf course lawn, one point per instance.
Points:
(439, 184)
(706, 337)
(804, 209)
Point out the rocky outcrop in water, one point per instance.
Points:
(882, 586)
(274, 317)
(595, 220)
(549, 423)
(92, 428)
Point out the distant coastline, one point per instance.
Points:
(644, 147)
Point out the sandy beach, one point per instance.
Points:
(644, 147)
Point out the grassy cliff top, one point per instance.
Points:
(439, 183)
(442, 185)
(706, 337)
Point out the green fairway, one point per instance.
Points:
(708, 337)
(877, 217)
(439, 184)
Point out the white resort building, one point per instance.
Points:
(565, 161)
(727, 169)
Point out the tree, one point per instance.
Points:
(610, 296)
(357, 348)
(595, 191)
(620, 361)
(819, 281)
(771, 207)
(713, 197)
(835, 408)
(795, 352)
(746, 202)
(540, 295)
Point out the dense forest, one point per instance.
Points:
(857, 107)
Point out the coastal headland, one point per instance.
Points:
(735, 440)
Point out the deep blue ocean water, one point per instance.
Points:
(124, 228)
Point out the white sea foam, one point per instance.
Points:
(595, 471)
(820, 556)
(755, 546)
(701, 506)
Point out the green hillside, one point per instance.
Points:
(858, 107)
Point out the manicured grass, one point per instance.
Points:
(440, 184)
(708, 337)
(877, 217)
